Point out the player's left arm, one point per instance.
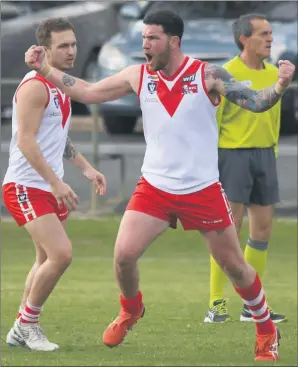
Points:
(219, 80)
(79, 161)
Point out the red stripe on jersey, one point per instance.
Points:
(171, 98)
(172, 77)
(141, 80)
(64, 105)
(36, 77)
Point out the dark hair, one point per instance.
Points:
(46, 27)
(171, 22)
(243, 26)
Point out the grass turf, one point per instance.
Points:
(175, 286)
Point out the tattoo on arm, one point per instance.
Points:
(68, 80)
(236, 92)
(70, 150)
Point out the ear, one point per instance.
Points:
(175, 42)
(243, 39)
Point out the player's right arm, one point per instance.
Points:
(108, 89)
(31, 100)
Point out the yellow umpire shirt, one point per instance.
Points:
(240, 128)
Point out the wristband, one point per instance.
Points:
(45, 70)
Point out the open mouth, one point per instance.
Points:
(148, 58)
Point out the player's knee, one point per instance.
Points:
(63, 256)
(236, 273)
(67, 259)
(124, 258)
(261, 232)
(234, 268)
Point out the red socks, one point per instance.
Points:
(30, 314)
(132, 305)
(254, 298)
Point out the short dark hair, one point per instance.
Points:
(243, 27)
(171, 22)
(46, 27)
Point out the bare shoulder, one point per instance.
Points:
(32, 91)
(132, 74)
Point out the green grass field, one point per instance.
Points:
(175, 285)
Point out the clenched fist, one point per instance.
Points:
(285, 73)
(36, 59)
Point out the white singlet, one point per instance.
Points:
(180, 129)
(51, 138)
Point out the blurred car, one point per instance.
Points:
(207, 36)
(94, 22)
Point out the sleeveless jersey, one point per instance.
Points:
(180, 129)
(51, 137)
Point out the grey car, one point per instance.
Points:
(207, 36)
(95, 22)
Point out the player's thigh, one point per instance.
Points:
(41, 255)
(48, 231)
(136, 232)
(265, 190)
(260, 221)
(234, 174)
(224, 246)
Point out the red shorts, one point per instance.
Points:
(207, 209)
(27, 203)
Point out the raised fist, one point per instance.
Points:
(285, 72)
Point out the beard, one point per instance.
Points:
(160, 61)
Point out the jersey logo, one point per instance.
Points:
(152, 87)
(153, 77)
(56, 101)
(189, 88)
(189, 78)
(22, 198)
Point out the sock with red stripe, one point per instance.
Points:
(19, 314)
(132, 305)
(254, 298)
(30, 314)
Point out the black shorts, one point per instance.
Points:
(249, 176)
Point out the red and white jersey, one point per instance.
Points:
(180, 129)
(51, 138)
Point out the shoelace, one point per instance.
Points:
(270, 309)
(36, 333)
(221, 308)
